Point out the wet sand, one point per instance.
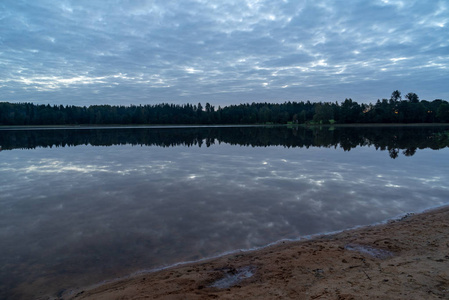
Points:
(402, 259)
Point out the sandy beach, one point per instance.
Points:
(406, 258)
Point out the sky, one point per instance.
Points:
(123, 52)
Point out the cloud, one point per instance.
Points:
(131, 52)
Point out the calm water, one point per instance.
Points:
(79, 206)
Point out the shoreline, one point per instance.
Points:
(348, 264)
(162, 126)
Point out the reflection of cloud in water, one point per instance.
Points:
(99, 209)
(58, 167)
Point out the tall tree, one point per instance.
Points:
(396, 96)
(412, 97)
(323, 113)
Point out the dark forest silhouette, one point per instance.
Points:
(393, 110)
(394, 139)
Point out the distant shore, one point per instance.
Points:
(406, 258)
(111, 126)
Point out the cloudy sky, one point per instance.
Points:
(223, 52)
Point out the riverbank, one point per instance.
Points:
(403, 259)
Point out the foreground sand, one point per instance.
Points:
(404, 259)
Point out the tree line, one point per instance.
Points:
(393, 110)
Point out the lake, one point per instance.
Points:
(82, 205)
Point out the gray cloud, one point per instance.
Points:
(131, 52)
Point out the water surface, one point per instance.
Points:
(79, 206)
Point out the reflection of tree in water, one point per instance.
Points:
(409, 151)
(392, 139)
(394, 153)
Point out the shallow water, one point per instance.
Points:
(232, 277)
(145, 198)
(374, 252)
